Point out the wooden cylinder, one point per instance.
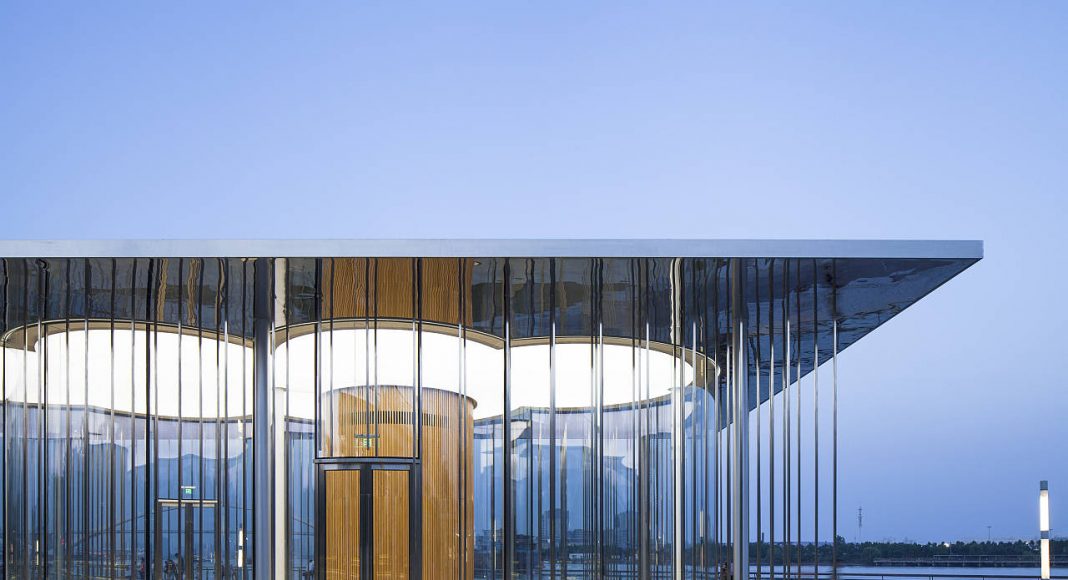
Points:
(377, 422)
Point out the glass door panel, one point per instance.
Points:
(368, 528)
(342, 525)
(391, 524)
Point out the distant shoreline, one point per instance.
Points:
(995, 554)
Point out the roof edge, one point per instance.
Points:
(487, 248)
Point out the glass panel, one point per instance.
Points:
(364, 367)
(530, 382)
(447, 429)
(300, 483)
(482, 359)
(567, 412)
(21, 388)
(618, 359)
(656, 443)
(576, 459)
(118, 415)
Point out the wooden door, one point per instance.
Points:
(367, 535)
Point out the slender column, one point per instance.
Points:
(506, 432)
(740, 456)
(552, 425)
(677, 430)
(834, 454)
(815, 422)
(756, 366)
(261, 436)
(771, 420)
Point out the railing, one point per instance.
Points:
(935, 575)
(982, 560)
(848, 575)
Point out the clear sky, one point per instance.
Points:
(900, 119)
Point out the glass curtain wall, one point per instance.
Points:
(566, 407)
(498, 417)
(127, 417)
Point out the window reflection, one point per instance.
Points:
(589, 419)
(556, 417)
(127, 419)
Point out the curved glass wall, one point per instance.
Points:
(412, 417)
(566, 387)
(127, 413)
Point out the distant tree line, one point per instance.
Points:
(865, 553)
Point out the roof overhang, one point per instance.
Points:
(835, 291)
(490, 248)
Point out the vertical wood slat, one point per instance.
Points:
(342, 525)
(345, 292)
(443, 497)
(391, 533)
(441, 484)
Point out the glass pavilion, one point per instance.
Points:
(430, 409)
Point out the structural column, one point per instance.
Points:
(739, 459)
(261, 435)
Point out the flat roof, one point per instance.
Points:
(491, 248)
(860, 284)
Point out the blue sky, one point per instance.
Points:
(638, 119)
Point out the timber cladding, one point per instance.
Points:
(377, 422)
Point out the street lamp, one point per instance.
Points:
(1043, 526)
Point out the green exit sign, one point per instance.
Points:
(188, 490)
(365, 441)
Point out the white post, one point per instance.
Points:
(1043, 525)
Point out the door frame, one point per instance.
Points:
(367, 466)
